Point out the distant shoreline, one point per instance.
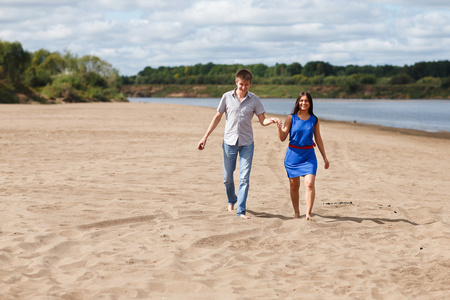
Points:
(279, 109)
(414, 132)
(372, 92)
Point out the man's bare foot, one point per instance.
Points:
(297, 216)
(230, 207)
(244, 217)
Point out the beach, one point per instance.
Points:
(114, 201)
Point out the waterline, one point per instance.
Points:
(425, 115)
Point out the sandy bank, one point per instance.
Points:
(115, 201)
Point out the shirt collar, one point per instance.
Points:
(248, 95)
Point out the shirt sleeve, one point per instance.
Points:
(222, 105)
(259, 108)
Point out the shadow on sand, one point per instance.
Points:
(360, 220)
(380, 221)
(267, 215)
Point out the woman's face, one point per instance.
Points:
(303, 103)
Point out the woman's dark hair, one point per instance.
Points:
(297, 106)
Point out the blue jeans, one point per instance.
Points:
(230, 154)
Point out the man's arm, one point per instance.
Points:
(214, 122)
(264, 121)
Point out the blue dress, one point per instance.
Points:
(300, 162)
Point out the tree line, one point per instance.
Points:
(312, 73)
(49, 77)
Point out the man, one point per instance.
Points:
(239, 105)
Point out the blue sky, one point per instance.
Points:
(134, 34)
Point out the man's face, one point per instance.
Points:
(242, 86)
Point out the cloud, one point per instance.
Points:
(138, 33)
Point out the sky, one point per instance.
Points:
(134, 34)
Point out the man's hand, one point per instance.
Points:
(201, 144)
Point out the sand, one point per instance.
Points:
(114, 201)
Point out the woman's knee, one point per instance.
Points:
(309, 184)
(294, 184)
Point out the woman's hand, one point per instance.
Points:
(277, 121)
(327, 163)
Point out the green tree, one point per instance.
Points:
(294, 69)
(445, 83)
(258, 69)
(351, 85)
(318, 68)
(402, 79)
(39, 56)
(44, 66)
(13, 61)
(367, 79)
(330, 80)
(430, 81)
(280, 69)
(204, 69)
(386, 71)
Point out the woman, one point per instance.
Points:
(301, 126)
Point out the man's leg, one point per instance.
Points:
(245, 166)
(229, 165)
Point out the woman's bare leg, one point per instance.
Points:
(294, 184)
(310, 194)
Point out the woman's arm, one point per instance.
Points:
(283, 131)
(320, 144)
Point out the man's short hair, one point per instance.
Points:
(244, 75)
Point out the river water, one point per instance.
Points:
(425, 115)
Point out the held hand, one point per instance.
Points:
(280, 124)
(277, 121)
